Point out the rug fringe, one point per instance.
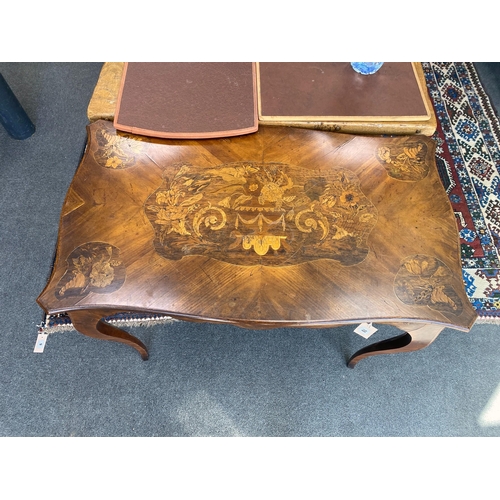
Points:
(62, 323)
(488, 321)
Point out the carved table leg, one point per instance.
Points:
(417, 337)
(89, 322)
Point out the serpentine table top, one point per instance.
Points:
(286, 227)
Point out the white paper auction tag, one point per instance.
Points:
(40, 342)
(365, 330)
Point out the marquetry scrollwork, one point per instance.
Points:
(245, 212)
(213, 217)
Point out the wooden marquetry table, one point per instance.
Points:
(286, 227)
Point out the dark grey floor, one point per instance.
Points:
(201, 380)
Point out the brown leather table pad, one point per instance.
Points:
(333, 90)
(284, 227)
(187, 100)
(104, 101)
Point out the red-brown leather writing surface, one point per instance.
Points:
(329, 89)
(187, 99)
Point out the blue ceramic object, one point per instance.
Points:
(366, 68)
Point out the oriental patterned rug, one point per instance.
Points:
(468, 159)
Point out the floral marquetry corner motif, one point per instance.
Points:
(92, 267)
(406, 162)
(266, 213)
(427, 281)
(116, 150)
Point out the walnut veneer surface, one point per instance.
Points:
(285, 227)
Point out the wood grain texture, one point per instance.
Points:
(285, 227)
(416, 337)
(90, 323)
(102, 104)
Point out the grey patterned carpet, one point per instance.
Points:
(201, 380)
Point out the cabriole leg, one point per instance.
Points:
(89, 322)
(416, 336)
